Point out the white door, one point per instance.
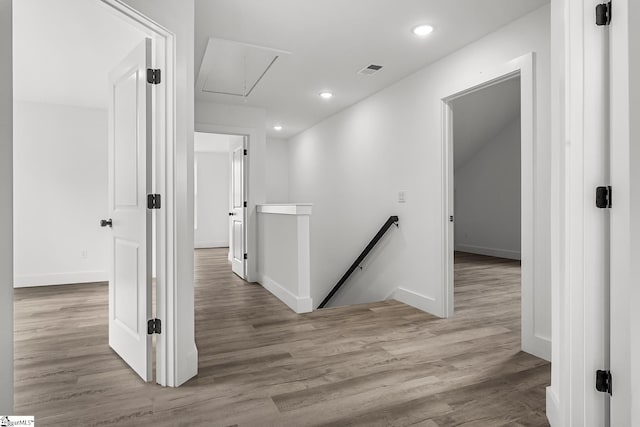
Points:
(129, 184)
(590, 224)
(237, 244)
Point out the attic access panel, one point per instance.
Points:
(234, 68)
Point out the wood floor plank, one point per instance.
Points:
(260, 364)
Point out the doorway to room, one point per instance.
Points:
(486, 131)
(220, 195)
(86, 147)
(483, 92)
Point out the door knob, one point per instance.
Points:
(106, 223)
(231, 214)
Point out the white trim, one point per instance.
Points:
(286, 209)
(524, 66)
(207, 244)
(55, 279)
(625, 218)
(553, 408)
(295, 303)
(167, 369)
(580, 279)
(483, 250)
(414, 299)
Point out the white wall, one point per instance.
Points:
(212, 200)
(6, 210)
(283, 254)
(240, 120)
(60, 194)
(179, 18)
(277, 170)
(352, 166)
(487, 197)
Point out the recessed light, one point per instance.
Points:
(326, 95)
(277, 128)
(422, 30)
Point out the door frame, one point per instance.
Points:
(523, 66)
(250, 134)
(625, 211)
(163, 164)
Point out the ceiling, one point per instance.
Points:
(480, 116)
(63, 50)
(331, 40)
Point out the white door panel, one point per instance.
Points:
(237, 213)
(129, 183)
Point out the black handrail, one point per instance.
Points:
(392, 220)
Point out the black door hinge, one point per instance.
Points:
(603, 14)
(246, 151)
(603, 381)
(154, 76)
(246, 256)
(154, 326)
(154, 201)
(603, 197)
(245, 204)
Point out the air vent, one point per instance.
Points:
(371, 69)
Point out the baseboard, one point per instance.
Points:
(537, 346)
(295, 303)
(60, 279)
(553, 408)
(419, 301)
(206, 244)
(481, 250)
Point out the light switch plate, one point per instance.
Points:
(402, 197)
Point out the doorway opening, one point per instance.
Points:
(487, 201)
(532, 314)
(69, 155)
(220, 197)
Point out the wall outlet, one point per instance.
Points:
(84, 253)
(402, 197)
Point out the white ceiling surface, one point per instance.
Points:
(64, 50)
(213, 142)
(480, 116)
(331, 40)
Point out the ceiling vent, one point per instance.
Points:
(370, 70)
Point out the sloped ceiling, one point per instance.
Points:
(480, 116)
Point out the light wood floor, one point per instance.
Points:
(262, 365)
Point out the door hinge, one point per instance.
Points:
(154, 326)
(246, 256)
(603, 14)
(154, 201)
(603, 381)
(245, 204)
(154, 76)
(246, 152)
(603, 197)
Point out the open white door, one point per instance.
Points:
(130, 221)
(237, 212)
